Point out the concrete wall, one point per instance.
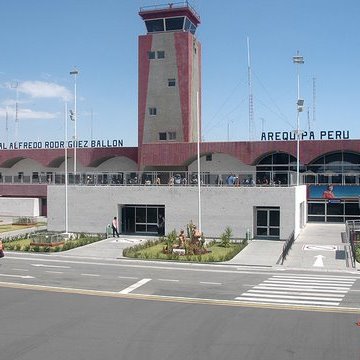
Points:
(19, 206)
(92, 208)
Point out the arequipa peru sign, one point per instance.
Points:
(306, 135)
(80, 144)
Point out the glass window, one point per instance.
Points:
(316, 209)
(352, 208)
(162, 136)
(161, 54)
(337, 219)
(335, 209)
(261, 231)
(140, 228)
(174, 23)
(352, 158)
(152, 111)
(274, 218)
(154, 25)
(274, 232)
(151, 55)
(171, 82)
(335, 157)
(281, 158)
(350, 179)
(187, 24)
(172, 135)
(140, 215)
(152, 215)
(316, 218)
(261, 218)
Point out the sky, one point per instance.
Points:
(42, 41)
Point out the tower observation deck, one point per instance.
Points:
(169, 74)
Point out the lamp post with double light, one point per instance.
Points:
(298, 60)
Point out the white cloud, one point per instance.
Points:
(28, 114)
(41, 89)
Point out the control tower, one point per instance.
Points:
(169, 74)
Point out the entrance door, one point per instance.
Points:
(268, 222)
(141, 219)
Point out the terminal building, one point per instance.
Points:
(248, 185)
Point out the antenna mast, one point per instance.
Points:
(251, 100)
(314, 100)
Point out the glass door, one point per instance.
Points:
(268, 222)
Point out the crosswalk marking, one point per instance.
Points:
(300, 290)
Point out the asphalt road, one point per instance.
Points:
(59, 308)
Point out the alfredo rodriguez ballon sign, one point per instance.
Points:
(80, 144)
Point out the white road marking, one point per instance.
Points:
(53, 272)
(319, 261)
(210, 283)
(128, 277)
(301, 282)
(292, 297)
(18, 276)
(299, 302)
(16, 269)
(305, 293)
(52, 266)
(304, 290)
(306, 286)
(95, 275)
(320, 247)
(170, 280)
(134, 286)
(266, 287)
(316, 278)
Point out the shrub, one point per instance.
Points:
(225, 237)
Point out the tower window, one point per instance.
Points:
(172, 135)
(162, 136)
(176, 23)
(161, 54)
(171, 82)
(151, 55)
(154, 25)
(152, 111)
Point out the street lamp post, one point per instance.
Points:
(75, 73)
(298, 60)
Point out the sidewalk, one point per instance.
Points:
(320, 246)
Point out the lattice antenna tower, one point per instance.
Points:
(251, 99)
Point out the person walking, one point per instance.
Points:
(114, 227)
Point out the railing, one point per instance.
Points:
(153, 178)
(353, 237)
(170, 5)
(286, 248)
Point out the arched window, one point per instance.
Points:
(275, 168)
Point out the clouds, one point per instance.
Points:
(41, 89)
(44, 93)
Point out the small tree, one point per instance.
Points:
(225, 237)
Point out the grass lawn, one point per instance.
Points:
(10, 227)
(218, 253)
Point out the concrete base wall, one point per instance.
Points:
(19, 206)
(90, 209)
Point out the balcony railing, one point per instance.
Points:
(182, 178)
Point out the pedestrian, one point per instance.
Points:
(1, 249)
(114, 227)
(161, 225)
